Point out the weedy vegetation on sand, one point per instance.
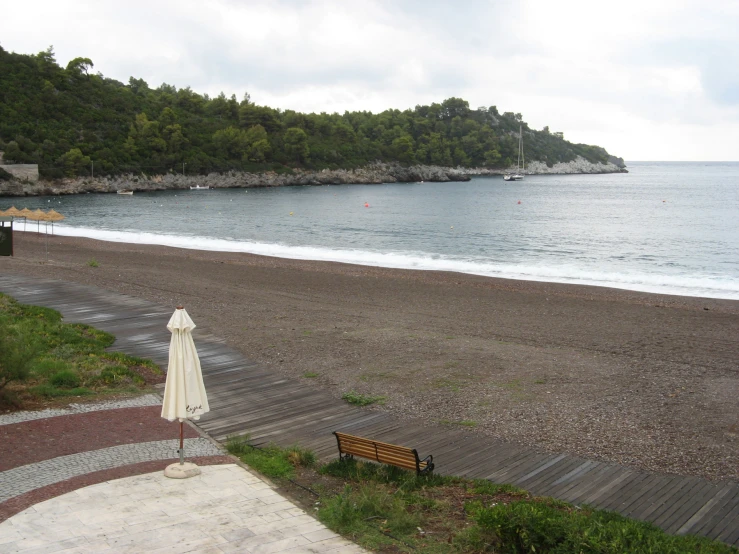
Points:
(42, 358)
(387, 509)
(362, 399)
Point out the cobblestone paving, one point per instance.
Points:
(20, 417)
(21, 480)
(226, 509)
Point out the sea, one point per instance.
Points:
(664, 227)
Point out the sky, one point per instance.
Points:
(646, 79)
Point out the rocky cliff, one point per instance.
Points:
(373, 174)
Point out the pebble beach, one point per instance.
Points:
(645, 380)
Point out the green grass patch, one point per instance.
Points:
(271, 460)
(92, 262)
(362, 399)
(310, 374)
(50, 391)
(42, 358)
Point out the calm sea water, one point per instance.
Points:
(664, 227)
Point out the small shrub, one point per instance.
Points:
(301, 457)
(361, 399)
(92, 262)
(65, 378)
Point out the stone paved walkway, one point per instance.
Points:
(139, 401)
(26, 478)
(89, 478)
(226, 509)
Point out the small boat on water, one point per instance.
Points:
(520, 164)
(125, 191)
(198, 187)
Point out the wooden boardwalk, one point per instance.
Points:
(247, 398)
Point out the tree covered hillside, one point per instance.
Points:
(68, 120)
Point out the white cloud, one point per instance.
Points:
(646, 79)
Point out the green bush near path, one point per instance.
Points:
(42, 358)
(386, 509)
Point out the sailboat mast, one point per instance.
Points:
(523, 159)
(518, 161)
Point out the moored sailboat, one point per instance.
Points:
(520, 163)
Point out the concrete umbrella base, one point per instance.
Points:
(181, 471)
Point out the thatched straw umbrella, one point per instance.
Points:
(52, 215)
(38, 216)
(12, 211)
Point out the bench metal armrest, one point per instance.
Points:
(428, 460)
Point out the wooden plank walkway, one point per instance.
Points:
(248, 398)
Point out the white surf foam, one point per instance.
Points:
(707, 286)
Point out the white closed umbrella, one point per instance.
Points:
(184, 392)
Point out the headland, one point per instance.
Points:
(376, 173)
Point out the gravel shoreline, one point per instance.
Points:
(645, 380)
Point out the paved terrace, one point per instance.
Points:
(247, 398)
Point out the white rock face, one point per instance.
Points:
(578, 165)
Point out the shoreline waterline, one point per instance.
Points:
(698, 287)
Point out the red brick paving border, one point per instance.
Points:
(19, 503)
(43, 439)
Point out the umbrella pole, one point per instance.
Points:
(182, 445)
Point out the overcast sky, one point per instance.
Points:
(646, 79)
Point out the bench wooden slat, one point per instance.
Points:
(376, 448)
(373, 444)
(406, 462)
(356, 438)
(383, 452)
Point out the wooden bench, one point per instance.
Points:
(400, 456)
